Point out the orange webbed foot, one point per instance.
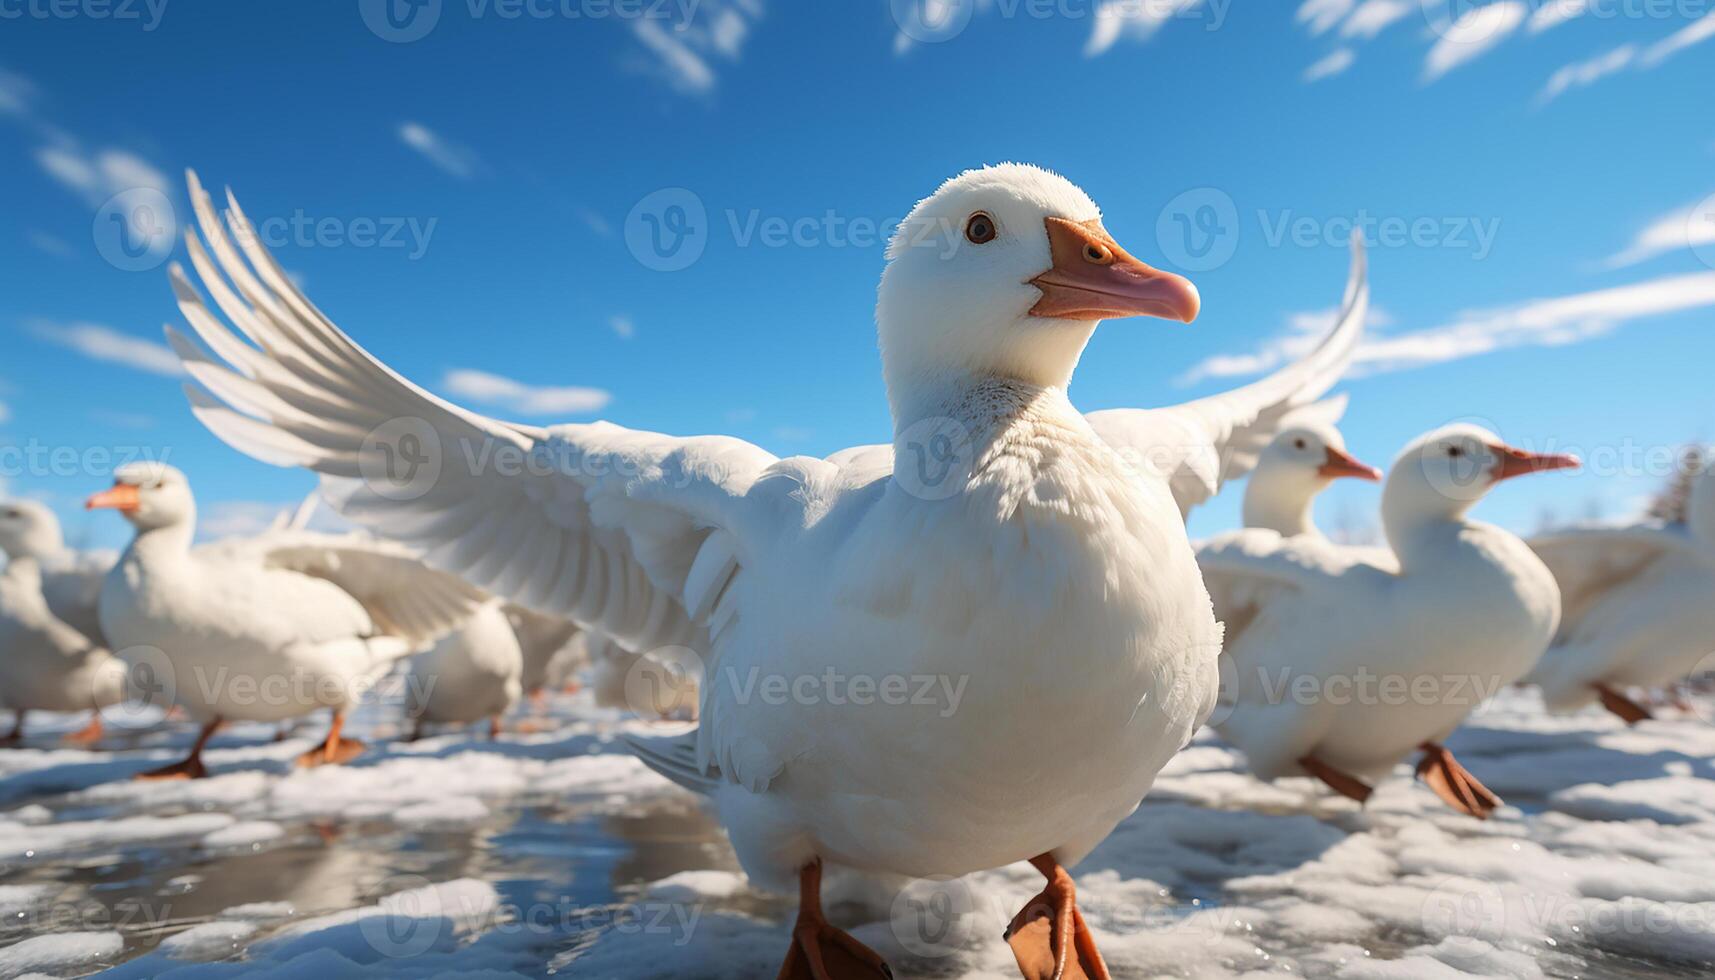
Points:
(1454, 783)
(1049, 937)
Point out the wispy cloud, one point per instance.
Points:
(1136, 20)
(622, 327)
(1583, 73)
(684, 51)
(520, 397)
(1374, 16)
(53, 245)
(1320, 16)
(460, 161)
(97, 175)
(1553, 13)
(1550, 322)
(102, 343)
(5, 416)
(17, 94)
(1695, 33)
(1303, 332)
(1692, 226)
(1335, 63)
(1473, 34)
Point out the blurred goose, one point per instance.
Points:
(1339, 664)
(45, 664)
(471, 674)
(264, 629)
(539, 637)
(1639, 605)
(1300, 463)
(1009, 529)
(71, 579)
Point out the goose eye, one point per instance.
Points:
(980, 230)
(1299, 444)
(1454, 452)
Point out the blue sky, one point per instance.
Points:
(470, 190)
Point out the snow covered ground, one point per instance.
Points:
(555, 853)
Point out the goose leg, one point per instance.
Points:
(820, 951)
(494, 729)
(334, 749)
(192, 767)
(16, 736)
(1454, 783)
(1628, 710)
(1351, 787)
(88, 734)
(1049, 938)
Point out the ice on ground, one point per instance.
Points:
(556, 853)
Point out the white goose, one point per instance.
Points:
(540, 637)
(71, 578)
(1639, 606)
(1015, 556)
(269, 628)
(471, 674)
(1307, 455)
(1340, 663)
(45, 664)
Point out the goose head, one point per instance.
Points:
(28, 529)
(1442, 473)
(150, 496)
(1297, 465)
(1005, 272)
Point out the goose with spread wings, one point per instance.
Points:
(980, 657)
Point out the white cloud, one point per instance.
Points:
(17, 94)
(5, 416)
(103, 343)
(1304, 331)
(1373, 17)
(622, 327)
(1538, 323)
(520, 397)
(1137, 20)
(238, 518)
(1334, 64)
(53, 245)
(1322, 15)
(1553, 13)
(1696, 33)
(460, 161)
(1583, 73)
(684, 50)
(97, 175)
(1473, 34)
(1692, 226)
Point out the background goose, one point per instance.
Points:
(1639, 605)
(1300, 462)
(71, 578)
(471, 674)
(1340, 664)
(269, 628)
(540, 638)
(45, 664)
(1010, 530)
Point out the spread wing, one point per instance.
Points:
(1246, 569)
(595, 523)
(1590, 562)
(404, 597)
(1200, 445)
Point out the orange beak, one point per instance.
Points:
(121, 497)
(1517, 462)
(1094, 279)
(1341, 464)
